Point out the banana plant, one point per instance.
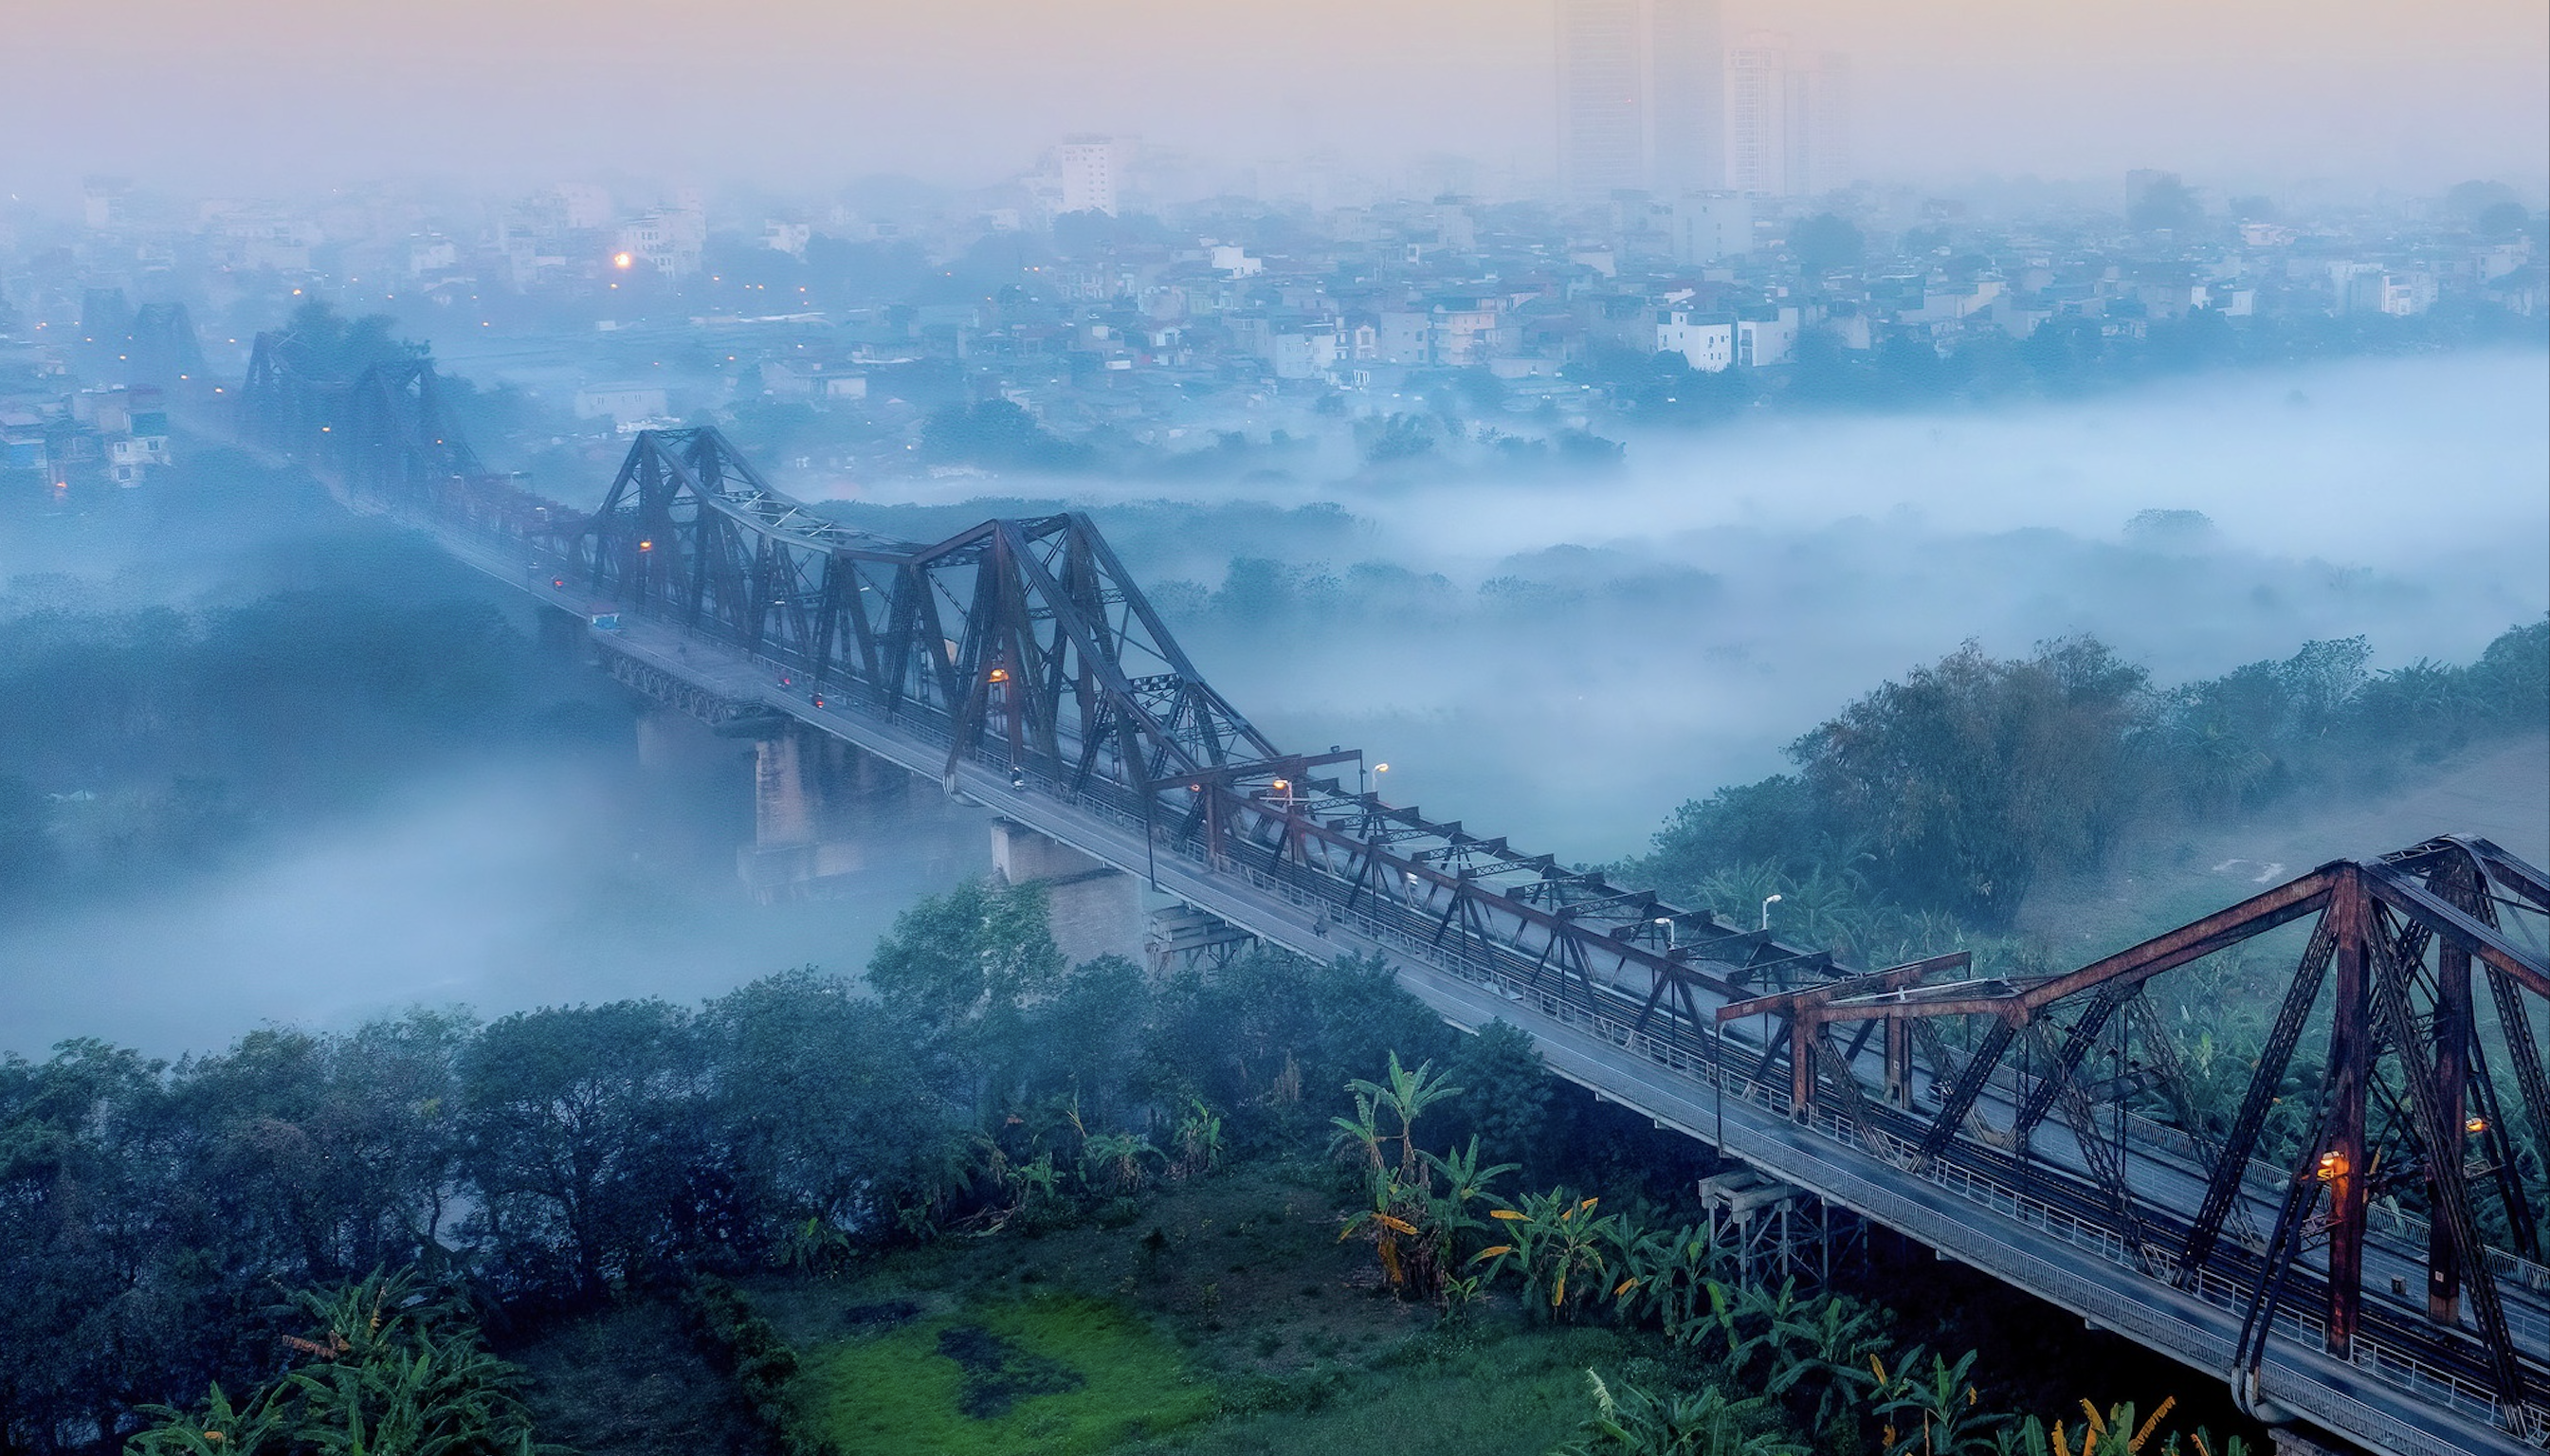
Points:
(1764, 1327)
(1938, 1415)
(1834, 1358)
(2112, 1433)
(221, 1428)
(390, 1373)
(1465, 1182)
(1392, 1225)
(1706, 1422)
(1117, 1162)
(815, 1246)
(1401, 1099)
(1684, 1284)
(1554, 1241)
(1199, 1141)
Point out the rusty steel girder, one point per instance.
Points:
(1025, 648)
(2403, 1092)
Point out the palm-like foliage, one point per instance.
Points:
(219, 1429)
(2113, 1434)
(1675, 1274)
(814, 1245)
(1556, 1243)
(1381, 1106)
(1678, 1423)
(392, 1373)
(1832, 1358)
(1117, 1162)
(1465, 1182)
(1765, 1328)
(1199, 1141)
(1414, 1230)
(1937, 1414)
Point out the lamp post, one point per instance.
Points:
(1767, 902)
(1666, 920)
(1378, 770)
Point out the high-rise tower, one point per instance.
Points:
(1788, 117)
(1687, 125)
(1642, 97)
(1601, 97)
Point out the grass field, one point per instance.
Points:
(1227, 1321)
(1053, 1373)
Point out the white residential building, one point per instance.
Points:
(1233, 259)
(1093, 178)
(1707, 343)
(667, 240)
(788, 238)
(1762, 343)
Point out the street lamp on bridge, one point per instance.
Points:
(1767, 902)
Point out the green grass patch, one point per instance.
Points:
(1055, 1373)
(1499, 1393)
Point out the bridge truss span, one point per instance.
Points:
(2393, 1131)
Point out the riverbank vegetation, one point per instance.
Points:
(997, 1202)
(1930, 806)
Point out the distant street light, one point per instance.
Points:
(1767, 902)
(1666, 920)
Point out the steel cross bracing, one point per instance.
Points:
(1020, 660)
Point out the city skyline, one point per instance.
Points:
(788, 94)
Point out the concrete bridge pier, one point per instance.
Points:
(1093, 907)
(809, 792)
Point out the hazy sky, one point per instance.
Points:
(261, 94)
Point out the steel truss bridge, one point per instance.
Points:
(2359, 1248)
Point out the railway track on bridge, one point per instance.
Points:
(1018, 665)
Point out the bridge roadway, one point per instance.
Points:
(2393, 1398)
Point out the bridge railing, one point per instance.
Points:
(1614, 1019)
(1606, 1013)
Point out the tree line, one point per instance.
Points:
(307, 1232)
(137, 739)
(151, 1214)
(1940, 801)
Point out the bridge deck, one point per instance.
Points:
(2054, 1253)
(2035, 1220)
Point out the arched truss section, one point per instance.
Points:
(2385, 1079)
(1021, 643)
(2404, 1068)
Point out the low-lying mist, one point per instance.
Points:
(1561, 659)
(1564, 659)
(501, 887)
